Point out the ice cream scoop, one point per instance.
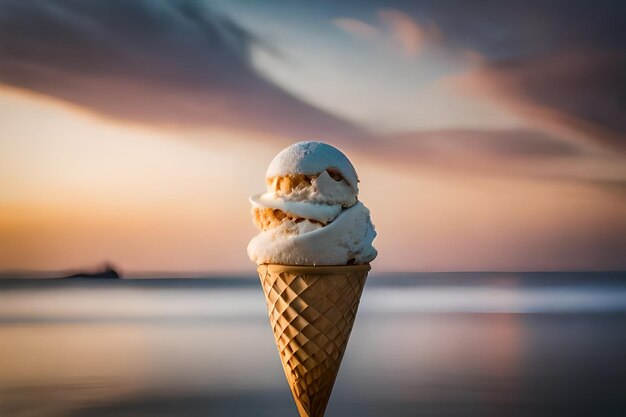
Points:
(310, 213)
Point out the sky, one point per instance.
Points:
(489, 137)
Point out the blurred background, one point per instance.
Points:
(488, 136)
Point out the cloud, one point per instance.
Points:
(560, 65)
(395, 28)
(576, 91)
(502, 143)
(403, 31)
(516, 152)
(357, 28)
(179, 63)
(165, 63)
(513, 153)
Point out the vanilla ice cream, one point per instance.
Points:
(310, 213)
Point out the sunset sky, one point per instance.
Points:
(488, 135)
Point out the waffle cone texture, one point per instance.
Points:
(311, 311)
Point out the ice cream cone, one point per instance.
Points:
(311, 311)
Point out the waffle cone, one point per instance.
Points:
(311, 311)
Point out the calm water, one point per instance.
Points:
(423, 345)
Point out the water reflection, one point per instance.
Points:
(448, 348)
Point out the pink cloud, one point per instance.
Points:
(395, 28)
(180, 66)
(568, 94)
(357, 28)
(404, 32)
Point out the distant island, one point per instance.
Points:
(107, 272)
(102, 271)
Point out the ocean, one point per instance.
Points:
(445, 344)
